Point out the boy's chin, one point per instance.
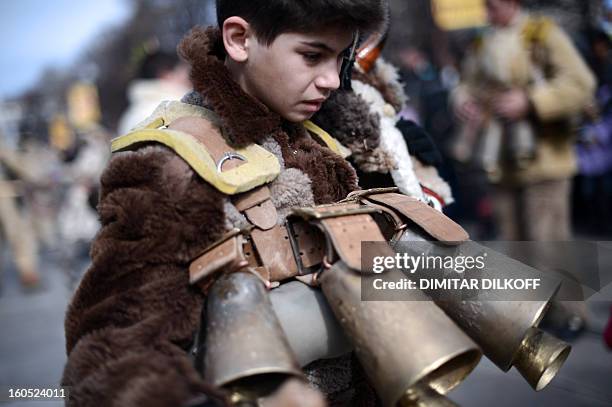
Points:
(297, 117)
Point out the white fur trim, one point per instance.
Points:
(429, 177)
(390, 75)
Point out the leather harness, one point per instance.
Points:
(312, 238)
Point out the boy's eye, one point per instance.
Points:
(311, 57)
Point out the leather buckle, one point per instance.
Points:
(297, 251)
(225, 253)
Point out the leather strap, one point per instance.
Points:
(226, 255)
(258, 208)
(435, 223)
(310, 244)
(345, 225)
(207, 134)
(249, 199)
(274, 249)
(267, 252)
(346, 234)
(271, 253)
(262, 215)
(394, 228)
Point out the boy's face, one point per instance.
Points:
(296, 73)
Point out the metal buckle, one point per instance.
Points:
(233, 232)
(229, 156)
(295, 249)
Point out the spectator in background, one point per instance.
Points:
(162, 76)
(522, 85)
(594, 148)
(524, 69)
(595, 145)
(15, 222)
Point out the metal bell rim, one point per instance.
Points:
(537, 318)
(552, 370)
(448, 372)
(232, 380)
(438, 378)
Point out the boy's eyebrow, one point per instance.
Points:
(320, 45)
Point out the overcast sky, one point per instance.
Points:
(39, 33)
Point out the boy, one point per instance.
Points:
(267, 68)
(545, 83)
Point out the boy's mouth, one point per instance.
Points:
(314, 105)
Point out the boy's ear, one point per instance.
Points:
(236, 33)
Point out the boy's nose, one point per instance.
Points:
(328, 79)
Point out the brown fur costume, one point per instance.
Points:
(133, 317)
(356, 128)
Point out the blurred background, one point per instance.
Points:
(67, 72)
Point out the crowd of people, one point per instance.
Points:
(487, 113)
(48, 199)
(49, 186)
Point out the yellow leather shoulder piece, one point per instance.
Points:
(333, 144)
(168, 111)
(259, 168)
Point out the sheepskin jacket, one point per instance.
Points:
(133, 317)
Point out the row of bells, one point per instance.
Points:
(413, 352)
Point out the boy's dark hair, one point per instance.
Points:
(155, 65)
(270, 18)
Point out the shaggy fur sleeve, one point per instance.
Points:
(134, 313)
